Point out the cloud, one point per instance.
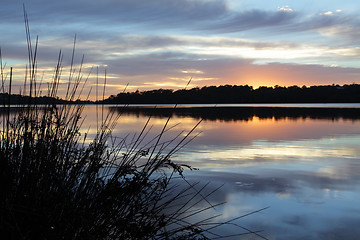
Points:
(174, 68)
(285, 9)
(338, 24)
(327, 13)
(195, 15)
(145, 61)
(123, 11)
(99, 20)
(250, 20)
(221, 70)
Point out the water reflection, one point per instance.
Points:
(304, 164)
(243, 113)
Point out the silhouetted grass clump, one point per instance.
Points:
(55, 186)
(58, 184)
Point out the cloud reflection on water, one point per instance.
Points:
(307, 169)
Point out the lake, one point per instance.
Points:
(301, 161)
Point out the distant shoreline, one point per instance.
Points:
(207, 105)
(227, 94)
(233, 94)
(241, 105)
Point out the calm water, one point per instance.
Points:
(303, 165)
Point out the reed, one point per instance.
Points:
(58, 184)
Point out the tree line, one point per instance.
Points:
(242, 94)
(213, 95)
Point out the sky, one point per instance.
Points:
(145, 45)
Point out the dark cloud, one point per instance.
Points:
(177, 12)
(319, 21)
(210, 16)
(339, 25)
(249, 20)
